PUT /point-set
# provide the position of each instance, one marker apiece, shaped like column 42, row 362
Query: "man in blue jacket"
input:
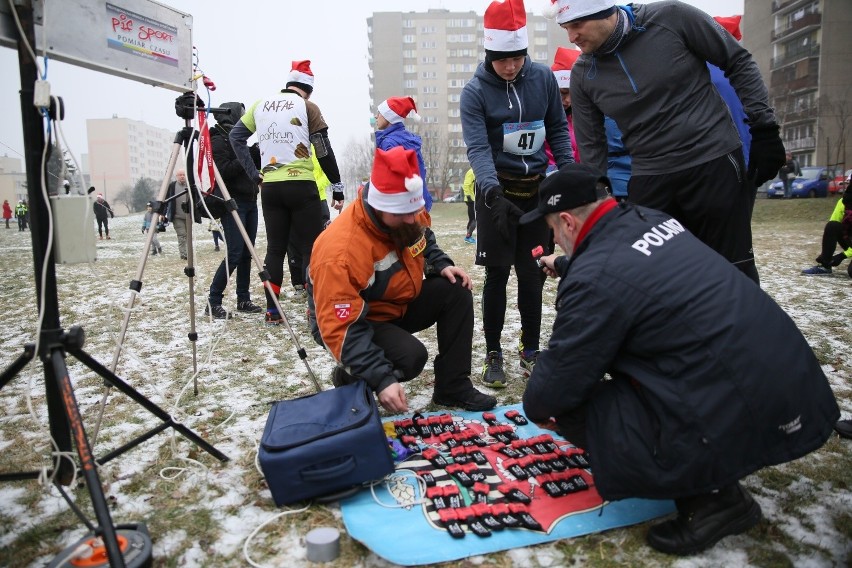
column 508, row 109
column 698, row 395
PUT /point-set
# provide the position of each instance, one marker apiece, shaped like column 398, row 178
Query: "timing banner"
column 471, row 483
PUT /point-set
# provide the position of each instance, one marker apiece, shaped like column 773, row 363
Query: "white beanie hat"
column 395, row 183
column 571, row 10
column 396, row 109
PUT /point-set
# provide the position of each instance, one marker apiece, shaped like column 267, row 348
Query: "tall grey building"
column 430, row 56
column 803, row 49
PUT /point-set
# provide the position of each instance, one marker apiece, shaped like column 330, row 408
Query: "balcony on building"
column 807, row 143
column 805, row 24
column 778, row 5
column 795, row 55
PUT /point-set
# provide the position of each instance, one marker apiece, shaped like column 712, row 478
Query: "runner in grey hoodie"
column 508, row 110
column 645, row 66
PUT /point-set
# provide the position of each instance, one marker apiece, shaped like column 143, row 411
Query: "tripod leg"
column 121, row 385
column 264, row 276
column 87, row 462
column 136, row 283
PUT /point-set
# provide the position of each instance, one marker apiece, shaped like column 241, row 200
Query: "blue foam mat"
column 412, row 535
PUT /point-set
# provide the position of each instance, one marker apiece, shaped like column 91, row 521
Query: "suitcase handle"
column 330, row 473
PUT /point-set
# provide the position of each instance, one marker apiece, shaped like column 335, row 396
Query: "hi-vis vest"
column 281, row 125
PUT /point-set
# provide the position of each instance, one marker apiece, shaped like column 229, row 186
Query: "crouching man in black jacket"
column 698, row 394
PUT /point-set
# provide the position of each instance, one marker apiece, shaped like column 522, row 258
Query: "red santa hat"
column 563, row 61
column 301, row 76
column 573, row 10
column 395, row 183
column 395, row 109
column 732, row 24
column 505, row 27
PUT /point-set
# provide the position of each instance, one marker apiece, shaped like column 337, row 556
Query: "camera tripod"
column 132, row 547
column 185, row 106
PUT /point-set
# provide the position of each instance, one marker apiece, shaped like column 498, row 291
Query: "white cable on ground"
column 263, row 524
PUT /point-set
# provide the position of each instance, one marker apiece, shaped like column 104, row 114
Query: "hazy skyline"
column 247, row 53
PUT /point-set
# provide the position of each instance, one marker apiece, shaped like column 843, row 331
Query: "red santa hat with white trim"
column 301, row 76
column 505, row 29
column 396, row 109
column 395, row 183
column 563, row 61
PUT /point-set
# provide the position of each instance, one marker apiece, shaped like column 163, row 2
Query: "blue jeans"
column 239, row 257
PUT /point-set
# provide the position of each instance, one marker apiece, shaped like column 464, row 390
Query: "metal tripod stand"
column 65, row 420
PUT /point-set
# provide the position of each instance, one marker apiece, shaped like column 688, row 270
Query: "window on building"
column 409, row 39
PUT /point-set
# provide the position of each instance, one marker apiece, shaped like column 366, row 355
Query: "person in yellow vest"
column 469, row 197
column 287, row 124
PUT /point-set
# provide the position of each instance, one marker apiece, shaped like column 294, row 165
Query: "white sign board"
column 141, row 40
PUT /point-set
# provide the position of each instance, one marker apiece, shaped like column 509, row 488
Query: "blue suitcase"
column 324, row 443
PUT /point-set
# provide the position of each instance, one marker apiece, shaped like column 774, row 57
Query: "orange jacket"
column 357, row 275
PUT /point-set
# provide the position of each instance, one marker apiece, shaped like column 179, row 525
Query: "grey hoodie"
column 488, row 102
column 657, row 88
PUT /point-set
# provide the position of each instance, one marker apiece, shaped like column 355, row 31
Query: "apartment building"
column 121, row 151
column 13, row 180
column 430, row 56
column 803, row 50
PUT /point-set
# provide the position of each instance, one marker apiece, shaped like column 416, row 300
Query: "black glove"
column 504, row 213
column 767, row 153
column 837, row 259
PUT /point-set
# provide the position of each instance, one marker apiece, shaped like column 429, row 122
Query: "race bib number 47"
column 523, row 138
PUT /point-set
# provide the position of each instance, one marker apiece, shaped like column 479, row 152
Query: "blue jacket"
column 397, row 135
column 617, row 159
column 488, row 104
column 738, row 115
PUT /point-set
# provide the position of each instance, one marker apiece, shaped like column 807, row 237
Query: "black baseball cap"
column 572, row 186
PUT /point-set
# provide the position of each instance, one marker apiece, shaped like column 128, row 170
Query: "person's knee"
column 414, row 364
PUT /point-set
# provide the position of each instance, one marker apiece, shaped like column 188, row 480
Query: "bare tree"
column 839, row 112
column 440, row 171
column 124, row 195
column 357, row 163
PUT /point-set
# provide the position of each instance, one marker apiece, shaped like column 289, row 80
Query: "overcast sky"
column 246, row 48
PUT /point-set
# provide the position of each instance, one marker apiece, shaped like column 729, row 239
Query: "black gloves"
column 767, row 153
column 838, row 258
column 504, row 213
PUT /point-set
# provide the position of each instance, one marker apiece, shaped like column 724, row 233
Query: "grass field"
column 199, row 512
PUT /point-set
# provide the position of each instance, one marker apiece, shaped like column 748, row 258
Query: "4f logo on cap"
column 553, row 200
column 342, row 311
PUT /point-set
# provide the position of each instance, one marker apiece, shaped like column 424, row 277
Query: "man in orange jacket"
column 368, row 294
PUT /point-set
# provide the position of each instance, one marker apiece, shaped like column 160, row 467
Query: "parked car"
column 454, row 198
column 812, row 183
column 838, row 184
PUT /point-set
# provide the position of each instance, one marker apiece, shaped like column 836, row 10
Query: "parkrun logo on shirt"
column 658, row 236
